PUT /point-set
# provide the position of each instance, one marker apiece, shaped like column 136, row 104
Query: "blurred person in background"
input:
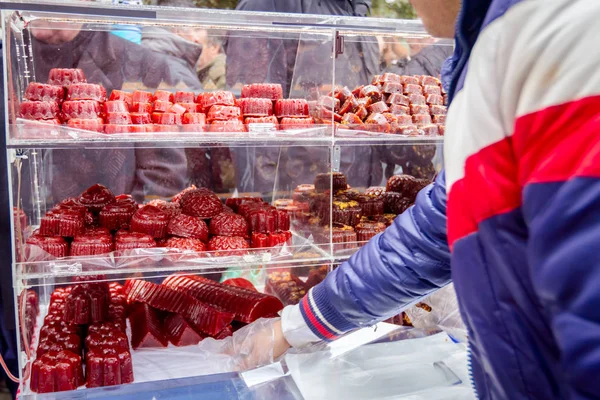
column 427, row 55
column 211, row 66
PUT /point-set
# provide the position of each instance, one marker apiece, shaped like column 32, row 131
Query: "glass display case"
column 150, row 178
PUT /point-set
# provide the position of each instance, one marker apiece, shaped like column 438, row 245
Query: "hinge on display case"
column 336, row 158
column 339, row 44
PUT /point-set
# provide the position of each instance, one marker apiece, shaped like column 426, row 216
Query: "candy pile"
column 289, row 288
column 396, row 104
column 356, row 216
column 98, row 222
column 68, row 98
column 86, row 324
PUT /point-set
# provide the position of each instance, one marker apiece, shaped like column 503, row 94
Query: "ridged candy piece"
column 297, row 123
column 57, row 246
column 228, row 224
column 96, row 197
column 184, row 97
column 202, row 316
column 221, row 98
column 121, row 95
column 254, row 107
column 108, row 366
column 201, row 203
column 89, row 245
column 85, row 109
column 246, row 305
column 291, row 108
column 56, row 372
column 44, row 92
column 146, row 328
column 86, row 304
column 179, row 332
column 186, row 226
column 151, row 221
column 223, row 113
column 87, row 124
column 86, row 91
column 39, row 110
column 269, row 91
column 66, row 76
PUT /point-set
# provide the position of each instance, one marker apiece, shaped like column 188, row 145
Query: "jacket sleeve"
column 406, row 262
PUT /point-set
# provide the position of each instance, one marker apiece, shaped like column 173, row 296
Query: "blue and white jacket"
column 515, row 219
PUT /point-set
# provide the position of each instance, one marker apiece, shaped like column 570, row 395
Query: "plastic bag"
column 439, row 311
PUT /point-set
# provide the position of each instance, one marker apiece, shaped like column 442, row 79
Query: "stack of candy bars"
column 67, row 98
column 86, row 323
column 392, row 104
column 355, row 216
column 98, row 222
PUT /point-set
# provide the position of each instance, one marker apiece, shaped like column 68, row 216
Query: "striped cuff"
column 321, row 317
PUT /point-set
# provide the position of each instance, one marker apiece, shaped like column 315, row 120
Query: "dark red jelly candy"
column 179, row 332
column 201, row 203
column 146, row 328
column 86, row 304
column 66, row 76
column 56, row 372
column 108, row 366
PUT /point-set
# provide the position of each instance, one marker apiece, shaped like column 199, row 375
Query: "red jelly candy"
column 108, row 366
column 437, row 110
column 247, row 305
column 57, row 246
column 421, row 119
column 233, row 126
column 262, row 220
column 220, row 98
column 81, row 109
column 111, row 129
column 196, row 245
column 430, row 129
column 201, row 316
column 330, row 103
column 259, row 240
column 140, row 118
column 361, row 112
column 89, row 245
column 146, row 328
column 416, row 99
column 166, row 118
column 410, row 89
column 432, row 90
column 186, row 226
column 62, row 222
column 429, row 80
column 416, row 109
column 179, row 332
column 263, row 90
column 193, row 119
column 226, row 332
column 201, row 203
column 86, row 91
column 141, row 108
column 151, row 221
column 399, row 99
column 65, row 76
column 291, row 108
column 160, row 106
column 277, row 238
column 96, row 197
column 177, row 109
column 439, row 119
column 140, row 96
column 163, row 95
column 86, row 304
column 227, row 244
column 191, row 107
column 56, row 372
column 39, row 110
column 184, row 97
column 392, row 87
column 372, row 92
column 133, row 240
column 44, row 92
column 121, row 95
column 94, row 124
column 409, row 80
column 390, row 77
column 379, row 107
column 399, row 110
column 118, row 118
column 352, row 121
column 297, row 123
column 256, row 107
column 435, row 99
column 377, row 123
column 350, row 105
column 235, row 202
column 271, row 121
column 223, row 113
column 228, row 224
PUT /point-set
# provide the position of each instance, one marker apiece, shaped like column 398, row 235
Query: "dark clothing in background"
column 113, row 62
column 428, row 61
column 165, row 42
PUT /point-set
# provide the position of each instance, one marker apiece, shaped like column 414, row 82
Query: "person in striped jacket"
column 514, row 220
